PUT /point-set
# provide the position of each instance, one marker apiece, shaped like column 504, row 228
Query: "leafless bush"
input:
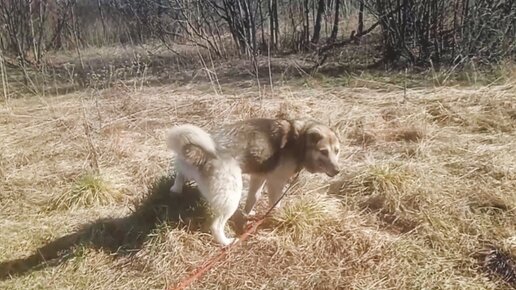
column 438, row 31
column 414, row 32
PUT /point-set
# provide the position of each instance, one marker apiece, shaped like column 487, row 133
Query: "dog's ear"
column 285, row 128
column 298, row 126
column 314, row 136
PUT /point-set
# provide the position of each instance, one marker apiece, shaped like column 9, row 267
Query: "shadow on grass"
column 120, row 236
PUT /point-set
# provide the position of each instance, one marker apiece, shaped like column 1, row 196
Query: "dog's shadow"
column 120, row 236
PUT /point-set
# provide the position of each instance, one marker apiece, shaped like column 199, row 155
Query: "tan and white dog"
column 271, row 151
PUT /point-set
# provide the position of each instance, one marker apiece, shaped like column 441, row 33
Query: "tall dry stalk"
column 3, row 74
column 211, row 73
column 93, row 155
column 257, row 74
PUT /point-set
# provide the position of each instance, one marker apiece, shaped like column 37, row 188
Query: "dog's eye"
column 324, row 152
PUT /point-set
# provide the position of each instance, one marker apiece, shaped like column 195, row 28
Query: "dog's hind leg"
column 255, row 190
column 223, row 196
column 179, row 181
column 224, row 205
column 217, row 229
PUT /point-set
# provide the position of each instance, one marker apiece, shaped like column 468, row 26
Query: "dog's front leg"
column 255, row 190
column 275, row 190
column 179, row 181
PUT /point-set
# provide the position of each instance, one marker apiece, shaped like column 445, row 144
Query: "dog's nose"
column 333, row 172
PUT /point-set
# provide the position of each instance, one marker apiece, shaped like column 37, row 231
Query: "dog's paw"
column 239, row 222
column 249, row 216
column 229, row 242
column 174, row 190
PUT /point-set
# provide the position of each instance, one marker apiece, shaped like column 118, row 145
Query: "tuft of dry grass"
column 88, row 190
column 306, row 216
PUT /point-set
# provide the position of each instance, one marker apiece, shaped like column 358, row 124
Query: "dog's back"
column 256, row 143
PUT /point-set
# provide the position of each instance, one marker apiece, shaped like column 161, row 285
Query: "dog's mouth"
column 332, row 172
column 329, row 171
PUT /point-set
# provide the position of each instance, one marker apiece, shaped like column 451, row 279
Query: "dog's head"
column 322, row 148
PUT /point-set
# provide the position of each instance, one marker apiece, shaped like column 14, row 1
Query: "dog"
column 271, row 151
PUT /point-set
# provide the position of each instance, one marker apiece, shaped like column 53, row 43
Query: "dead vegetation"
column 88, row 190
column 428, row 181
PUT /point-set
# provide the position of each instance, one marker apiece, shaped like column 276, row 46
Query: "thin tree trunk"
column 102, row 21
column 262, row 21
column 306, row 30
column 335, row 28
column 272, row 41
column 317, row 26
column 32, row 32
column 76, row 37
column 455, row 24
column 42, row 20
column 360, row 28
column 252, row 25
column 276, row 23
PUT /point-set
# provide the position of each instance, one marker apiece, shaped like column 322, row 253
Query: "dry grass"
column 426, row 200
column 89, row 190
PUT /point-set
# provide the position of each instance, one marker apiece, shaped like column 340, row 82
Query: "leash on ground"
column 210, row 263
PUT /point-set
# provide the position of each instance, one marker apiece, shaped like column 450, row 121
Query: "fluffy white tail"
column 187, row 140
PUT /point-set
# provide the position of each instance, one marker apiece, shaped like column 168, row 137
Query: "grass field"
column 426, row 198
